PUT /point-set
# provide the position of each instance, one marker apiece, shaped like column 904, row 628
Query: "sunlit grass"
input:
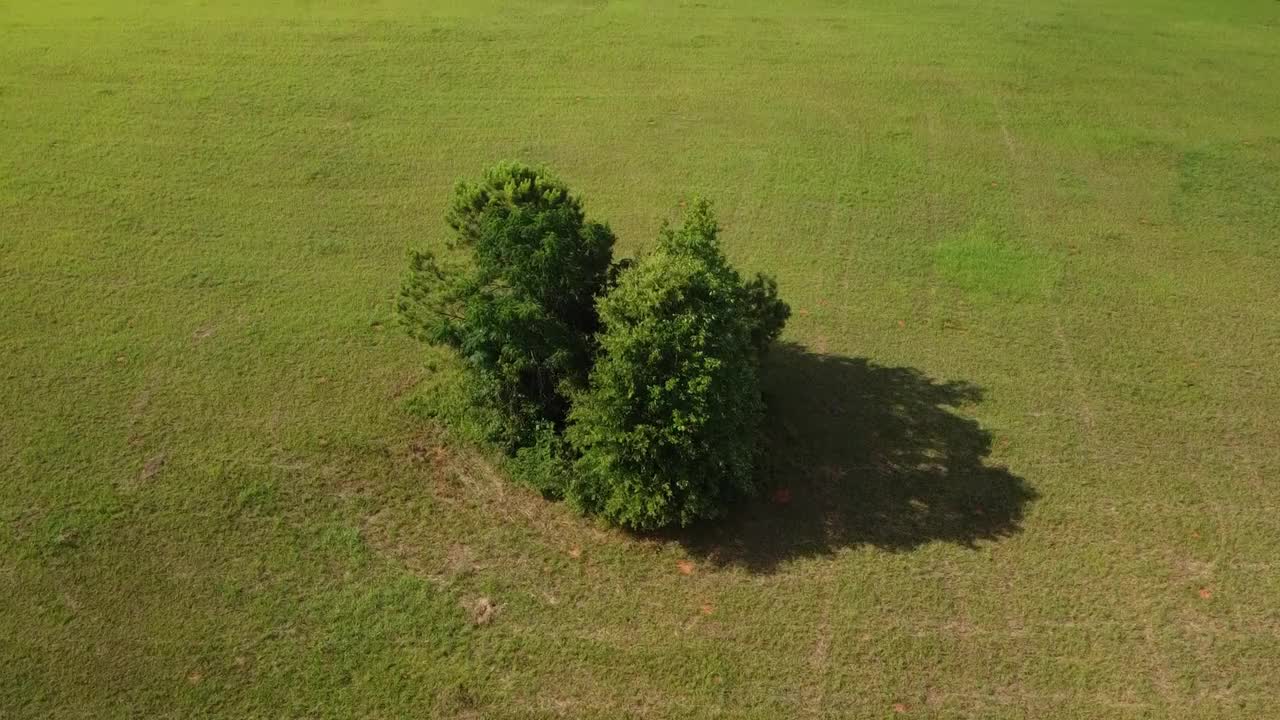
column 1025, row 411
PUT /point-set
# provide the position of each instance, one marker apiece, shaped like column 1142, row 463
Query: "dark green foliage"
column 766, row 311
column 520, row 310
column 667, row 433
column 630, row 389
column 545, row 463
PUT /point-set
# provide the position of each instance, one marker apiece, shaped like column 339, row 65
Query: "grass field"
column 1025, row 411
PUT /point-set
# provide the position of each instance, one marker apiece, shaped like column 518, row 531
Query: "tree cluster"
column 631, row 389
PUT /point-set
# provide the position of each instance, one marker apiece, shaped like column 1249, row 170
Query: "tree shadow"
column 863, row 454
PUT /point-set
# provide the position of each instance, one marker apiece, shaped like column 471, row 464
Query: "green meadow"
column 1023, row 442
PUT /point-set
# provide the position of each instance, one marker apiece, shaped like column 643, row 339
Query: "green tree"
column 667, row 432
column 520, row 307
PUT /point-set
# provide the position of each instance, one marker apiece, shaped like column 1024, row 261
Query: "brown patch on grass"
column 465, row 476
column 685, row 567
column 819, row 663
column 137, row 409
column 152, row 467
column 385, row 532
column 463, row 484
column 482, row 611
column 418, row 452
column 404, row 384
column 429, row 448
column 139, row 404
column 460, row 561
column 1198, row 569
column 202, row 333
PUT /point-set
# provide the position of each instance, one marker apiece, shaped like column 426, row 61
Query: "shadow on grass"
column 862, row 454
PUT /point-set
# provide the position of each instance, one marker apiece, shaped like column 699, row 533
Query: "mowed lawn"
column 1024, row 433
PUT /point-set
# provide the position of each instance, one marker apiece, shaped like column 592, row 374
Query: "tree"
column 520, row 310
column 666, row 433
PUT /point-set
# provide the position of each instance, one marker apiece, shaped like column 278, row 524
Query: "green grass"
column 1026, row 408
column 982, row 262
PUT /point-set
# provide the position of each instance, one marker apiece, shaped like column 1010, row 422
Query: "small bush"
column 667, row 432
column 544, row 464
